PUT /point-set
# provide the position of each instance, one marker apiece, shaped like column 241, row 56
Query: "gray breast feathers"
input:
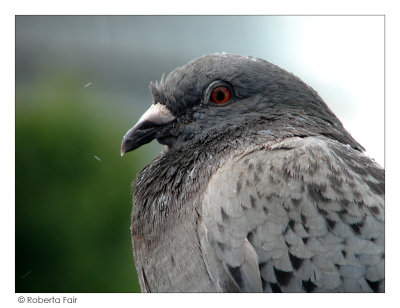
column 302, row 215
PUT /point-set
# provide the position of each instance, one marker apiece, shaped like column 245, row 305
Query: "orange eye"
column 220, row 95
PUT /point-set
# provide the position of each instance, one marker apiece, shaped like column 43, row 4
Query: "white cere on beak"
column 157, row 114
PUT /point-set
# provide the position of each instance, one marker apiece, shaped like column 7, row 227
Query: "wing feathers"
column 297, row 217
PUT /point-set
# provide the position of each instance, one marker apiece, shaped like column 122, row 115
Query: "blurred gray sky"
column 340, row 57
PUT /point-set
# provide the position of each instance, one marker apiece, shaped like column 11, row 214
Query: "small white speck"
column 254, row 59
column 191, row 174
column 88, row 84
column 30, row 271
column 265, row 132
column 97, row 158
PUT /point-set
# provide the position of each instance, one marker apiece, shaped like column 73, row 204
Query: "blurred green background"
column 82, row 82
column 73, row 195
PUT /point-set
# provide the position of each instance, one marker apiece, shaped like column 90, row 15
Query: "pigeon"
column 259, row 187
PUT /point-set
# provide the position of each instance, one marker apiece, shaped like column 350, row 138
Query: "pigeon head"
column 215, row 92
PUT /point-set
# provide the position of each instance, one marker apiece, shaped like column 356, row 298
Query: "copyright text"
column 47, row 300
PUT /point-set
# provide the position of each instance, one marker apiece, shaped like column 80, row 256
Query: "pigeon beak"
column 146, row 128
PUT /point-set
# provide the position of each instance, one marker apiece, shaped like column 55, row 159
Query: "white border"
column 389, row 8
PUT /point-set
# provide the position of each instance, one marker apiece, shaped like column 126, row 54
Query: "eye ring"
column 220, row 95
